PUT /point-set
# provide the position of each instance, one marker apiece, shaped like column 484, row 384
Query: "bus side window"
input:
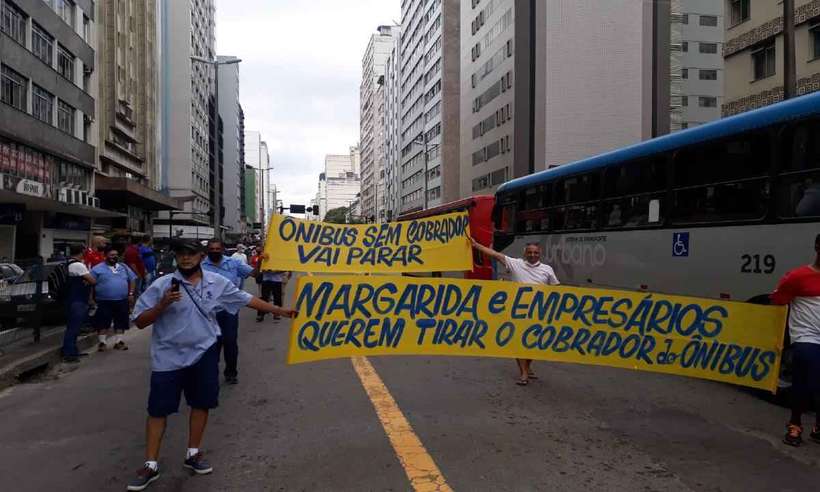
column 798, row 187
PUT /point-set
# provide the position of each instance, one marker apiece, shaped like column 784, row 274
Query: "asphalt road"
column 313, row 427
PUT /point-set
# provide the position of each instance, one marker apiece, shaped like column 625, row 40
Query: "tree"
column 336, row 215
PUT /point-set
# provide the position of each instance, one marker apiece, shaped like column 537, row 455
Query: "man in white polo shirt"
column 528, row 270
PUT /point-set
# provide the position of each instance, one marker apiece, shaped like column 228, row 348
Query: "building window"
column 42, row 44
column 13, row 22
column 42, row 104
column 86, row 29
column 814, row 34
column 708, row 74
column 707, row 102
column 14, row 88
column 65, row 117
column 65, row 63
column 684, row 73
column 739, row 10
column 708, row 48
column 763, row 59
column 684, row 101
column 684, row 19
column 708, row 20
column 684, row 46
column 65, row 9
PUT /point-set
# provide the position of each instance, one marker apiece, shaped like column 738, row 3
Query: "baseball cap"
column 186, row 245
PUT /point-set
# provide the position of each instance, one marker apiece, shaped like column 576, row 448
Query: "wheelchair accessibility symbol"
column 680, row 244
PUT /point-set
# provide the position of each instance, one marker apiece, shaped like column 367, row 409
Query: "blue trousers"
column 229, row 341
column 76, row 313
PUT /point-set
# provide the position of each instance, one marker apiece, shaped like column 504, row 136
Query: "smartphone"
column 174, row 285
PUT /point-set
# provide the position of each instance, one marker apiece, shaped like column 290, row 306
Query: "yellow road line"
column 419, row 466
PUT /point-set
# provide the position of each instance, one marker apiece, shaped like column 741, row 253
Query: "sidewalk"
column 21, row 356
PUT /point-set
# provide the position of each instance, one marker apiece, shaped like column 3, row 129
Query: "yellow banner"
column 347, row 316
column 434, row 244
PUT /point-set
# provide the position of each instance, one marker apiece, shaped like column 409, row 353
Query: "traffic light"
column 297, row 209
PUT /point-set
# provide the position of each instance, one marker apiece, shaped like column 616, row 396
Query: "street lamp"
column 217, row 194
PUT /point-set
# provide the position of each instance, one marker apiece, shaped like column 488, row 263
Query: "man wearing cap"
column 236, row 272
column 182, row 308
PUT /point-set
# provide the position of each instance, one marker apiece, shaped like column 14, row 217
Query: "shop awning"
column 118, row 193
column 37, row 204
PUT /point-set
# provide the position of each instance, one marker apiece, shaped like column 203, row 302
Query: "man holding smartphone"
column 182, row 308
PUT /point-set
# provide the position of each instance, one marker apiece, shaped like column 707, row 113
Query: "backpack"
column 58, row 280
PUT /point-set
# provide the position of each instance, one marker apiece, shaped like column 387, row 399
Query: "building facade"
column 371, row 122
column 257, row 161
column 128, row 173
column 535, row 94
column 340, row 183
column 232, row 119
column 429, row 74
column 48, row 137
column 187, row 29
column 697, row 28
column 392, row 128
column 754, row 52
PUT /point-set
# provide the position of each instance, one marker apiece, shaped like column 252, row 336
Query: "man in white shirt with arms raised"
column 528, row 270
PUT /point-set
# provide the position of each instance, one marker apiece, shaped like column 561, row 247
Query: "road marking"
column 419, row 466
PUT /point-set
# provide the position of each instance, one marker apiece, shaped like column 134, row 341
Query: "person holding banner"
column 182, row 307
column 800, row 289
column 235, row 271
column 528, row 270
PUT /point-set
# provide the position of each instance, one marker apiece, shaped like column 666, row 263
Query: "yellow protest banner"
column 433, row 244
column 347, row 316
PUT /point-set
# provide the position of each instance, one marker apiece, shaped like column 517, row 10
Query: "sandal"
column 792, row 437
column 522, row 382
column 532, row 375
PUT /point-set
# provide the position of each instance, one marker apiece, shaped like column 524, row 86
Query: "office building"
column 48, row 137
column 392, row 128
column 371, row 122
column 754, row 52
column 547, row 83
column 340, row 183
column 429, row 72
column 697, row 28
column 250, row 207
column 232, row 119
column 187, row 29
column 258, row 160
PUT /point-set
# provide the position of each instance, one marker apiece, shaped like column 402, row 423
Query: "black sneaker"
column 101, row 347
column 198, row 464
column 71, row 359
column 144, row 477
column 792, row 437
column 815, row 433
column 231, row 380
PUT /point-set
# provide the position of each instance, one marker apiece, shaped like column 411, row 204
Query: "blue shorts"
column 199, row 382
column 112, row 311
column 806, row 368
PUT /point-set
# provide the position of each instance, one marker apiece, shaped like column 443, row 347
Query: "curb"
column 10, row 374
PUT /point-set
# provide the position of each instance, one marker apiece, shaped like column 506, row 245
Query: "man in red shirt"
column 133, row 258
column 800, row 289
column 95, row 255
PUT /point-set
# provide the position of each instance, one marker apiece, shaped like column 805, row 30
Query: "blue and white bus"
column 721, row 210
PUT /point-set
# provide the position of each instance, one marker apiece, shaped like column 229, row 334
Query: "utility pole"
column 789, row 63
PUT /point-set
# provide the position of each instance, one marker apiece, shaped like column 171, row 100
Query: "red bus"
column 480, row 211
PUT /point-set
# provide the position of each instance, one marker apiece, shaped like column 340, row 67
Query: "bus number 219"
column 753, row 264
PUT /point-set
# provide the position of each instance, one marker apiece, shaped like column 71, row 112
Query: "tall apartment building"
column 754, row 52
column 392, row 128
column 257, row 159
column 243, row 218
column 187, row 29
column 547, row 83
column 429, row 74
column 48, row 137
column 697, row 28
column 232, row 119
column 340, row 183
column 127, row 115
column 371, row 121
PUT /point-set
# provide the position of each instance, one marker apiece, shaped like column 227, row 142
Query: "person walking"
column 272, row 284
column 235, row 271
column 78, row 289
column 240, row 254
column 528, row 270
column 133, row 258
column 800, row 290
column 182, row 308
column 96, row 253
column 149, row 261
column 114, row 294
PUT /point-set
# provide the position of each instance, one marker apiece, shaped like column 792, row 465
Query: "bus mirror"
column 654, row 211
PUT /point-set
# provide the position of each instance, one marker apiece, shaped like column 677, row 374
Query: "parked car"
column 30, row 294
column 9, row 272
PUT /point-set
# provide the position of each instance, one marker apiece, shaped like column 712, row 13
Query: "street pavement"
column 313, row 427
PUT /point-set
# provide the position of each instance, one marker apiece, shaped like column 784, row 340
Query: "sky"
column 299, row 78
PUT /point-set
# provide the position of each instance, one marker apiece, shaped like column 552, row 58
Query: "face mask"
column 215, row 257
column 187, row 272
column 110, row 261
